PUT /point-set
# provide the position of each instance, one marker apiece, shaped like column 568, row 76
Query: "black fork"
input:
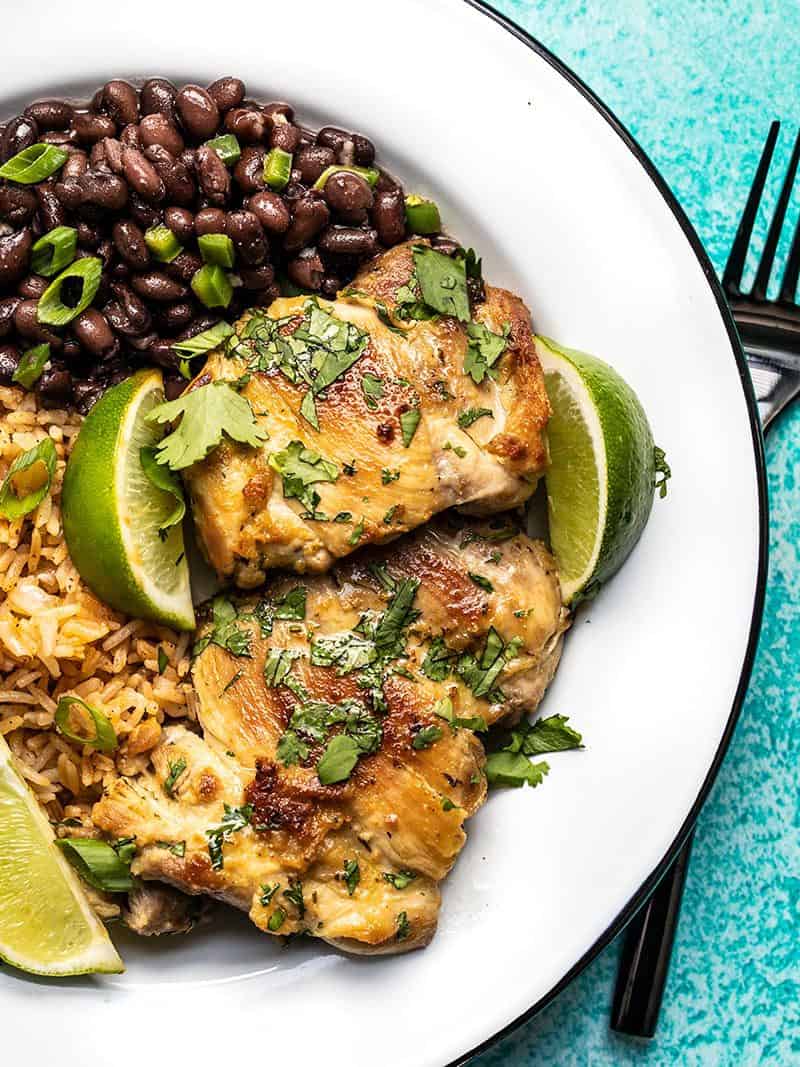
column 770, row 334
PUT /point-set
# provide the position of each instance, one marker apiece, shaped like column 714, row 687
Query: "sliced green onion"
column 277, row 168
column 34, row 164
column 104, row 740
column 97, row 863
column 162, row 242
column 54, row 251
column 227, row 148
column 369, row 174
column 30, row 367
column 212, row 286
column 422, row 215
column 52, row 310
column 28, row 480
column 216, row 248
column 203, row 342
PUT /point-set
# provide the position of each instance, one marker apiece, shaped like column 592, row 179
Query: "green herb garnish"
column 28, row 480
column 233, row 820
column 176, row 769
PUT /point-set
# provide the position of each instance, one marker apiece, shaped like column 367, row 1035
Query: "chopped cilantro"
column 545, row 735
column 207, row 413
column 163, row 660
column 357, row 533
column 442, row 281
column 343, row 516
column 481, row 582
column 466, row 418
column 276, row 920
column 300, row 468
column 409, row 421
column 352, row 875
column 403, row 927
column 381, row 572
column 401, row 880
column 268, row 892
column 448, row 805
column 177, row 848
column 450, row 447
column 372, row 388
column 224, row 631
column 338, row 760
column 398, row 615
column 484, row 349
column 388, row 476
column 514, row 769
column 291, row 749
column 439, row 660
column 290, row 607
column 176, row 769
column 388, row 518
column 426, row 737
column 233, row 820
column 480, row 674
column 277, row 665
column 294, row 894
column 444, row 709
column 234, row 679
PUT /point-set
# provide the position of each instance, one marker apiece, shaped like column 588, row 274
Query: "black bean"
column 93, row 331
column 227, row 92
column 389, row 216
column 142, row 176
column 249, row 171
column 278, row 110
column 209, row 220
column 9, row 361
column 212, row 175
column 181, row 222
column 20, row 133
column 294, row 191
column 174, row 384
column 103, row 189
column 51, row 114
column 270, row 210
column 162, row 353
column 201, row 323
column 198, row 112
column 257, row 277
column 157, row 129
column 90, row 128
column 69, row 192
column 62, row 138
column 178, row 182
column 141, row 344
column 284, row 136
column 247, row 234
column 311, row 161
column 105, row 251
column 146, row 215
column 310, row 216
column 331, row 284
column 77, row 162
column 17, row 204
column 158, row 96
column 130, row 243
column 89, row 236
column 306, row 270
column 109, row 152
column 385, row 182
column 15, row 255
column 137, row 316
column 32, row 287
column 120, row 270
column 54, row 388
column 362, row 151
column 349, row 195
column 130, row 136
column 50, row 209
column 349, row 241
column 184, row 266
column 28, row 325
column 155, row 285
column 175, row 316
column 7, row 308
column 187, row 158
column 121, row 101
column 246, row 123
column 86, row 394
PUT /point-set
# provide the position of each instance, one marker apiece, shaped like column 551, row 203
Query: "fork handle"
column 644, row 964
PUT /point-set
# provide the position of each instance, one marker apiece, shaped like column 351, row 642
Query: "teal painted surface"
column 697, row 82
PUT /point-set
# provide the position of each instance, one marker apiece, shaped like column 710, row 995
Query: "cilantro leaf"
column 480, row 674
column 338, row 760
column 224, row 630
column 481, row 581
column 545, row 735
column 352, row 875
column 442, row 281
column 398, row 615
column 401, row 880
column 388, row 475
column 409, row 421
column 403, row 927
column 291, row 748
column 164, row 479
column 290, row 607
column 276, row 920
column 295, row 894
column 466, row 418
column 514, row 769
column 358, row 532
column 372, row 388
column 484, row 348
column 346, row 652
column 176, row 769
column 268, row 892
column 28, row 480
column 207, row 413
column 426, row 737
column 300, row 468
column 438, row 661
column 444, row 709
column 277, row 665
column 233, row 820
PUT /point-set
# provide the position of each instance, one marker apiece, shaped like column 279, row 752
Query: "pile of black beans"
column 138, row 158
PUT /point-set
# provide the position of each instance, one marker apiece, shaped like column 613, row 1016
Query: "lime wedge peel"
column 602, row 468
column 47, row 926
column 113, row 512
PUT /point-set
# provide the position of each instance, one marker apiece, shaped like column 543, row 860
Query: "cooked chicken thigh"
column 340, row 758
column 377, row 420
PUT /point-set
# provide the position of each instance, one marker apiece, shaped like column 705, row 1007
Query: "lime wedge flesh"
column 601, row 474
column 113, row 513
column 46, row 923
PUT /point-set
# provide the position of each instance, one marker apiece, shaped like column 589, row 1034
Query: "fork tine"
column 792, row 269
column 734, row 268
column 759, row 291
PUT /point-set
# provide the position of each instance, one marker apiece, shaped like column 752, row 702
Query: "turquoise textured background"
column 697, row 83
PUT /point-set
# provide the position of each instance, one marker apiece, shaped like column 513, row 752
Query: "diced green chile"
column 227, row 148
column 277, row 169
column 12, row 504
column 422, row 216
column 30, row 367
column 52, row 310
column 98, row 864
column 34, row 164
column 369, row 174
column 163, row 244
column 216, row 248
column 212, row 286
column 54, row 251
column 104, row 740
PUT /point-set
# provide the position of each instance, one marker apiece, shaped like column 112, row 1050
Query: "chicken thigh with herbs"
column 405, row 396
column 340, row 714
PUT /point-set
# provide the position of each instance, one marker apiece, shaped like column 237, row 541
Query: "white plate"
column 566, row 210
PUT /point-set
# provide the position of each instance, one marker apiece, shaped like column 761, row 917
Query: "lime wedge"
column 114, row 516
column 602, row 468
column 46, row 923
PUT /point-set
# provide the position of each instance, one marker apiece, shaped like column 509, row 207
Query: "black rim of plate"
column 650, row 883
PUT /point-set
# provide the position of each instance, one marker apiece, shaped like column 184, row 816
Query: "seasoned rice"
column 56, row 637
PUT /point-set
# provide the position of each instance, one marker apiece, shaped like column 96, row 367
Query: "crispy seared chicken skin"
column 395, row 657
column 390, row 476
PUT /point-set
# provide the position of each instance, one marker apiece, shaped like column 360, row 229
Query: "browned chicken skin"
column 385, row 483
column 396, row 645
